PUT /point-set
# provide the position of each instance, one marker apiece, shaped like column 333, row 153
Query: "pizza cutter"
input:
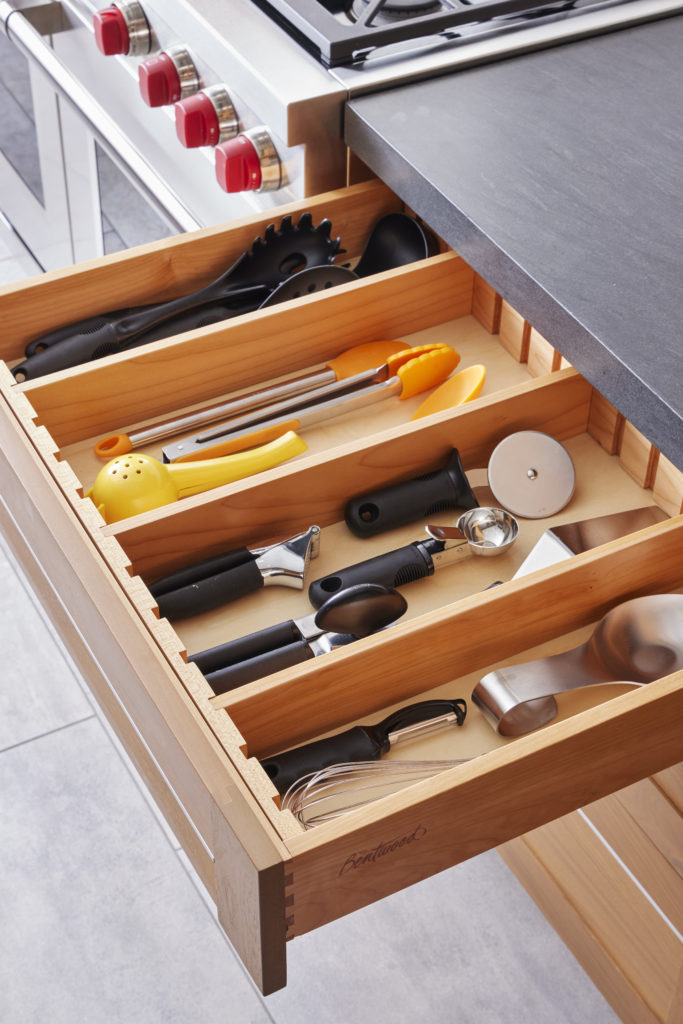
column 530, row 474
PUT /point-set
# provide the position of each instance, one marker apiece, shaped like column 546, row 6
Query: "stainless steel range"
column 215, row 108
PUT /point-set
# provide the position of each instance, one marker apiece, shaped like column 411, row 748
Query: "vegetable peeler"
column 362, row 742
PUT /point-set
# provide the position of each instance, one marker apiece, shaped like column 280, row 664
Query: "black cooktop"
column 347, row 32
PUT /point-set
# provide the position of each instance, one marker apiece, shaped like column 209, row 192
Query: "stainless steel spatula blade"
column 570, row 539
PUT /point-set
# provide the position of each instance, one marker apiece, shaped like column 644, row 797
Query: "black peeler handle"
column 360, row 743
column 354, row 744
column 419, row 498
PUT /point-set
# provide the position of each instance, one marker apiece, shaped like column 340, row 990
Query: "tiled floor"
column 104, row 920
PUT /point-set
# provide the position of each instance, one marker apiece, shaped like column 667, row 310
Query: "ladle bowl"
column 395, row 239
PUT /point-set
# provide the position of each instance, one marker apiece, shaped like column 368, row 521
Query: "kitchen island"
column 557, row 176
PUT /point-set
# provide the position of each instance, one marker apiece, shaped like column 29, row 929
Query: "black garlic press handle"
column 232, row 676
column 245, row 647
column 207, row 585
column 393, row 569
column 411, row 500
column 353, row 745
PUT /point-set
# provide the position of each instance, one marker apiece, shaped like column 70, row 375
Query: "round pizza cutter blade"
column 531, row 474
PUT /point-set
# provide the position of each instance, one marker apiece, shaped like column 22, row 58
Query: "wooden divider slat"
column 542, row 358
column 514, row 332
column 162, row 377
column 637, row 456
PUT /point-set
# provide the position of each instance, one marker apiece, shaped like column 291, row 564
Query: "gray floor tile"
column 54, row 698
column 467, row 946
column 38, row 689
column 101, row 923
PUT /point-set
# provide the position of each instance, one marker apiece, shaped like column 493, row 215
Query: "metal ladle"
column 635, row 643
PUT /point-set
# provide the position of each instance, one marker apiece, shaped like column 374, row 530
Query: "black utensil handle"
column 393, row 569
column 232, row 676
column 419, row 498
column 200, row 571
column 85, row 326
column 141, row 322
column 77, row 348
column 211, row 591
column 117, row 335
column 245, row 647
column 202, row 316
column 352, row 745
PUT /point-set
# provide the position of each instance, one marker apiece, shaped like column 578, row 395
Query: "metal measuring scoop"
column 635, row 643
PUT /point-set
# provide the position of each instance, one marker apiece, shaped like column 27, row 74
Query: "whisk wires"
column 332, row 792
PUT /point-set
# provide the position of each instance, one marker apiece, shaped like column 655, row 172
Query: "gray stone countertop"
column 558, row 176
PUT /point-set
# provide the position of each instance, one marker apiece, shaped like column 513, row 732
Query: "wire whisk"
column 334, row 791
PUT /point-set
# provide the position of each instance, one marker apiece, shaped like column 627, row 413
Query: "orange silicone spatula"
column 462, row 387
column 349, row 363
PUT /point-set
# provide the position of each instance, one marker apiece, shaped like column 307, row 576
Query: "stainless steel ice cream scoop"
column 637, row 642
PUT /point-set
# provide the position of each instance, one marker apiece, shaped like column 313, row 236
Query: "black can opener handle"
column 360, row 743
column 407, row 502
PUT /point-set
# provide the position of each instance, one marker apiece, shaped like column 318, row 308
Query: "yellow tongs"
column 404, row 374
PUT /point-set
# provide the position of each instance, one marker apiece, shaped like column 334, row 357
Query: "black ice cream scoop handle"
column 393, row 569
column 360, row 743
column 406, row 502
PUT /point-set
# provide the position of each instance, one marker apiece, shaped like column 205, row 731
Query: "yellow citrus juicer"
column 136, row 482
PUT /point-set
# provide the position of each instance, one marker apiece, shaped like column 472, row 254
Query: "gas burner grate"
column 347, row 32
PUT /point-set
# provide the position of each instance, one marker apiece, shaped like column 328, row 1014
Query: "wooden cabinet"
column 200, row 753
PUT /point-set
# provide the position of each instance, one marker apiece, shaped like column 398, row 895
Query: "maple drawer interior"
column 455, row 628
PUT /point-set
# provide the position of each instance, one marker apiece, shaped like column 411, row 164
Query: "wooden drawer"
column 271, row 878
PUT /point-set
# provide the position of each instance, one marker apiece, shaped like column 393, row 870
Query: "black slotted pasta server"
column 271, row 260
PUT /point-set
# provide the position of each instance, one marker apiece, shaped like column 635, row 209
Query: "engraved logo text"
column 357, row 860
